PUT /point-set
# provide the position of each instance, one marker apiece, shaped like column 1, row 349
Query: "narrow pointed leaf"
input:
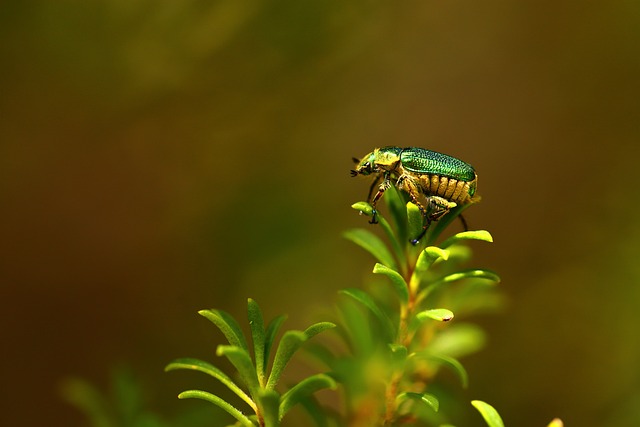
column 228, row 325
column 449, row 362
column 203, row 395
column 460, row 275
column 490, row 415
column 372, row 244
column 469, row 274
column 269, row 403
column 415, row 220
column 482, row 235
column 209, row 369
column 398, row 282
column 270, row 336
column 289, row 344
column 365, row 299
column 429, row 399
column 364, row 207
column 439, row 314
column 398, row 212
column 241, row 360
column 303, row 390
column 256, row 322
column 316, row 328
column 428, row 256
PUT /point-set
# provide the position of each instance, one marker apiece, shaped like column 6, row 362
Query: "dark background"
column 159, row 157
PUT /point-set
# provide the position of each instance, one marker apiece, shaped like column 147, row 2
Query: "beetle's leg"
column 386, row 183
column 464, row 222
column 438, row 207
column 374, row 184
column 411, row 187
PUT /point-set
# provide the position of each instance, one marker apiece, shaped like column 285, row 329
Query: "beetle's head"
column 365, row 166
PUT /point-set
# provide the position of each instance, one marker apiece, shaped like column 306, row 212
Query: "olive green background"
column 159, row 157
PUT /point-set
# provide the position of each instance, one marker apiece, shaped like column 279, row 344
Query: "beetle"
column 435, row 182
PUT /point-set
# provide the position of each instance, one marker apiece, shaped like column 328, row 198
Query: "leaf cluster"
column 257, row 379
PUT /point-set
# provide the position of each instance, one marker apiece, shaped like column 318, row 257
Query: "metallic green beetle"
column 439, row 181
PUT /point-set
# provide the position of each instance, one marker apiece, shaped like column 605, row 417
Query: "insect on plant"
column 435, row 182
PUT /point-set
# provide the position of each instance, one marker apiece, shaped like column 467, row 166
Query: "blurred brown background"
column 158, row 157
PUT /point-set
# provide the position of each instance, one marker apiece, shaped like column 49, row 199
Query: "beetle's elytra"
column 435, row 182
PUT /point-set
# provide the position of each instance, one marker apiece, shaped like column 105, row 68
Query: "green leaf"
column 209, row 369
column 303, row 390
column 490, row 415
column 372, row 244
column 481, row 235
column 430, row 255
column 272, row 331
column 458, row 340
column 289, row 344
column 415, row 220
column 269, row 404
column 439, row 314
column 460, row 275
column 398, row 282
column 228, row 325
column 365, row 299
column 447, row 361
column 398, row 212
column 256, row 322
column 241, row 360
column 399, row 354
column 203, row 395
column 363, row 207
column 429, row 399
column 88, row 399
column 470, row 274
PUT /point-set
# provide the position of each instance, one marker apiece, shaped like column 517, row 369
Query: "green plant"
column 259, row 382
column 392, row 338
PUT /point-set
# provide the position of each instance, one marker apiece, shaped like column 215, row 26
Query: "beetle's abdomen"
column 452, row 189
column 422, row 161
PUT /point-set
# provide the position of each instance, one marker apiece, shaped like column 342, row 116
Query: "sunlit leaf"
column 241, row 360
column 228, row 325
column 203, row 395
column 482, row 235
column 398, row 282
column 439, row 314
column 289, row 344
column 209, row 369
column 490, row 415
column 256, row 322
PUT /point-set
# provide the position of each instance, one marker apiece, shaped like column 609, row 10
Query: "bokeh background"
column 159, row 157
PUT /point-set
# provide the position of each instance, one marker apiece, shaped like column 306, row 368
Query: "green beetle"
column 435, row 182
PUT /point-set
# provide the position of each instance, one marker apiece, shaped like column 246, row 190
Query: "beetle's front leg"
column 386, row 183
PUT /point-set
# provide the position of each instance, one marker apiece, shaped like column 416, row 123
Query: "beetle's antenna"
column 353, row 172
column 355, row 160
